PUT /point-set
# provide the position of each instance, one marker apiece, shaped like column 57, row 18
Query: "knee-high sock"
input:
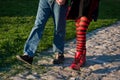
column 81, row 29
column 80, row 55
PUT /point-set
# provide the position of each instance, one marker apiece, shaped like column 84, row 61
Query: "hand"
column 60, row 2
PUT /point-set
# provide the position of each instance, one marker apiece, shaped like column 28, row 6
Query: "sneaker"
column 59, row 59
column 26, row 59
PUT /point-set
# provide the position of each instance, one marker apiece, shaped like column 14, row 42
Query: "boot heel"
column 79, row 61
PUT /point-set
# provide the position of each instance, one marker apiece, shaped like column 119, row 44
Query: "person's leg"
column 59, row 16
column 37, row 31
column 80, row 55
column 31, row 44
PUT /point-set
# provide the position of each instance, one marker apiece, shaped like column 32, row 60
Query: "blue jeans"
column 46, row 9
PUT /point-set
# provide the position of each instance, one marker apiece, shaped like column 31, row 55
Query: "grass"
column 17, row 19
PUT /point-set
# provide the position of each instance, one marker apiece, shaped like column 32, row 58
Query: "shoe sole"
column 79, row 67
column 58, row 63
column 19, row 58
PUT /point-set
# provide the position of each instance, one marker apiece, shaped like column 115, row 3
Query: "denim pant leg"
column 59, row 16
column 43, row 14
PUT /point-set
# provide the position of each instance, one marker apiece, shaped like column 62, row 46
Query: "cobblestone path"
column 103, row 59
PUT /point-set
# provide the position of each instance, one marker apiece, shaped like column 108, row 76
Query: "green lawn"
column 17, row 19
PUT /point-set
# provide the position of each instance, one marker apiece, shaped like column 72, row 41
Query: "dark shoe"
column 59, row 59
column 25, row 58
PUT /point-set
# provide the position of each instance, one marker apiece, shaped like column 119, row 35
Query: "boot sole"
column 19, row 58
column 79, row 67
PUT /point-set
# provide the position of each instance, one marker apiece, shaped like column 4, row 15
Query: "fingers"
column 60, row 2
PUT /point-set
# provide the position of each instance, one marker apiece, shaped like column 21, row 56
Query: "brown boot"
column 59, row 59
